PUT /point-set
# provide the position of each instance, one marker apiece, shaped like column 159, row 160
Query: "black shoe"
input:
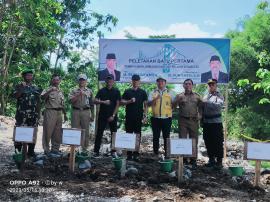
column 31, row 154
column 218, row 164
column 129, row 158
column 136, row 158
column 96, row 155
column 194, row 164
column 211, row 163
column 185, row 161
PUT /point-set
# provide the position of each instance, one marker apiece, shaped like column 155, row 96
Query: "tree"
column 27, row 31
column 33, row 32
column 249, row 71
column 79, row 24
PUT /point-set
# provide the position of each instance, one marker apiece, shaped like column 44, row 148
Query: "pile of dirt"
column 52, row 181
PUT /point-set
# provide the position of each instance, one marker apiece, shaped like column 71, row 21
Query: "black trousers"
column 213, row 139
column 159, row 125
column 102, row 123
column 133, row 125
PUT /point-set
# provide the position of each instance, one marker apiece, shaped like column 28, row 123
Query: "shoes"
column 136, row 158
column 218, row 164
column 96, row 155
column 31, row 154
column 129, row 158
column 193, row 164
column 211, row 163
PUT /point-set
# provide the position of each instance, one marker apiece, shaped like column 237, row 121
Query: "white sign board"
column 125, row 140
column 24, row 134
column 181, row 146
column 71, row 137
column 258, row 151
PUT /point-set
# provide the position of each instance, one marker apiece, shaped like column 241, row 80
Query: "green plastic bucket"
column 117, row 163
column 81, row 157
column 17, row 157
column 166, row 165
column 236, row 170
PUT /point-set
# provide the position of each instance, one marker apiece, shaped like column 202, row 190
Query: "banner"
column 173, row 59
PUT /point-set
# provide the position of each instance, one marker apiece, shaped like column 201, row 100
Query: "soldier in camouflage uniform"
column 28, row 106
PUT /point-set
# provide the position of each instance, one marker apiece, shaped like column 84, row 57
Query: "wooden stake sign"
column 24, row 135
column 126, row 141
column 73, row 137
column 180, row 147
column 259, row 152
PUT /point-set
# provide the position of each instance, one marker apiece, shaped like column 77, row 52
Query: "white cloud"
column 210, row 22
column 181, row 30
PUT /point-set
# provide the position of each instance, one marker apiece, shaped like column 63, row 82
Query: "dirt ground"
column 53, row 182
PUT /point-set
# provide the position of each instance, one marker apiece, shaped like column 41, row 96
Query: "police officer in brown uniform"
column 190, row 108
column 83, row 109
column 52, row 123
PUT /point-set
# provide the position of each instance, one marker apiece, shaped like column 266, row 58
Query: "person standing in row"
column 135, row 100
column 190, row 109
column 161, row 102
column 109, row 99
column 212, row 125
column 81, row 99
column 52, row 123
column 28, row 106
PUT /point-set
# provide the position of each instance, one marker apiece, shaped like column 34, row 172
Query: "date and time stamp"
column 33, row 186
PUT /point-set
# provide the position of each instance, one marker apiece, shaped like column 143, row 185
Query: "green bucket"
column 81, row 157
column 236, row 170
column 17, row 157
column 166, row 165
column 117, row 163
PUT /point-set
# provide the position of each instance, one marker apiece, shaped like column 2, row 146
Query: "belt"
column 56, row 109
column 212, row 116
column 81, row 108
column 190, row 118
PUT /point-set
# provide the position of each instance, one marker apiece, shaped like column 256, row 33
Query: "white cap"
column 82, row 76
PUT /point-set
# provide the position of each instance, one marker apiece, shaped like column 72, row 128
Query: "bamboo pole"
column 257, row 173
column 180, row 170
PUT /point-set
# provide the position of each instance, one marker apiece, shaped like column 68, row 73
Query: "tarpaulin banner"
column 173, row 59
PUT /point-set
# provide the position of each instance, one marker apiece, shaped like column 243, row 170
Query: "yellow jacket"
column 162, row 108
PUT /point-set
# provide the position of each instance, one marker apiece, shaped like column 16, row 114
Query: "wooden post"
column 124, row 163
column 72, row 158
column 226, row 123
column 257, row 173
column 24, row 156
column 180, row 170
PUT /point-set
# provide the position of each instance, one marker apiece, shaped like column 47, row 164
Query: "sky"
column 184, row 18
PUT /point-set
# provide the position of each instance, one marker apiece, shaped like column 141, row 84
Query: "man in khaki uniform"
column 83, row 109
column 52, row 123
column 190, row 108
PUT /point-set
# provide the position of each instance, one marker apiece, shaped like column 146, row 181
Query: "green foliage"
column 250, row 79
column 264, row 164
column 246, row 121
column 34, row 33
column 80, row 26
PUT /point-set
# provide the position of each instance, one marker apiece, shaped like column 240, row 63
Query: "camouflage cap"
column 27, row 70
